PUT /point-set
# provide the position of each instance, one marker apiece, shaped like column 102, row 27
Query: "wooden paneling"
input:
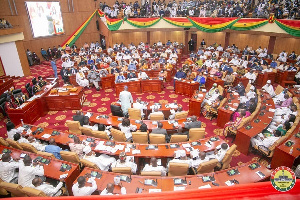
column 254, row 41
column 127, row 38
column 209, row 38
column 287, row 44
column 23, row 58
column 164, row 36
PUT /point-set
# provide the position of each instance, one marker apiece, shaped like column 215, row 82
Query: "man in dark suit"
column 240, row 89
column 79, row 117
column 193, row 123
column 160, row 130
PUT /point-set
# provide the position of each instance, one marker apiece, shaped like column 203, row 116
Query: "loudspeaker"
column 97, row 25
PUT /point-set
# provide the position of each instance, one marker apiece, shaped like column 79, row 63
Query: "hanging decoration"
column 179, row 21
column 212, row 25
column 292, row 27
column 248, row 24
column 142, row 22
column 113, row 24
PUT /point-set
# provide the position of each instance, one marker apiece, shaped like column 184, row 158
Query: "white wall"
column 10, row 59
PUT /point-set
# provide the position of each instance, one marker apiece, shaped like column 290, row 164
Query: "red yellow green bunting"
column 100, row 13
column 179, row 21
column 212, row 25
column 142, row 22
column 113, row 24
column 248, row 24
column 292, row 27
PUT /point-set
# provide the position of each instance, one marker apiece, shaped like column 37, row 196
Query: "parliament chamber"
column 149, row 99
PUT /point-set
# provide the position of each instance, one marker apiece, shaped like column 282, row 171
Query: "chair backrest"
column 86, row 131
column 207, row 167
column 221, row 89
column 140, row 137
column 196, row 134
column 100, row 134
column 278, row 89
column 3, row 142
column 181, row 115
column 70, row 156
column 122, row 170
column 28, row 147
column 2, row 190
column 13, row 144
column 118, row 136
column 116, row 110
column 228, row 157
column 134, row 113
column 247, row 89
column 42, row 153
column 32, row 192
column 157, row 138
column 222, row 102
column 73, row 127
column 178, row 138
column 178, row 169
column 151, row 173
column 157, row 116
column 14, row 189
column 89, row 164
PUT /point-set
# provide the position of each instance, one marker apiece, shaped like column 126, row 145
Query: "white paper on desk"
column 232, row 109
column 28, row 132
column 21, row 129
column 203, row 90
column 91, row 179
column 23, row 155
column 127, row 150
column 229, row 183
column 179, row 188
column 100, row 147
column 64, row 175
column 159, row 162
column 235, row 104
column 193, row 82
column 136, row 151
column 46, row 135
column 154, row 190
column 114, row 150
column 271, row 110
column 200, row 95
column 186, row 145
column 207, row 144
column 189, row 149
column 120, row 147
column 235, row 93
column 175, row 124
column 204, row 186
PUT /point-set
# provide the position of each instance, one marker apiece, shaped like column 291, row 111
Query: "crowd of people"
column 208, row 8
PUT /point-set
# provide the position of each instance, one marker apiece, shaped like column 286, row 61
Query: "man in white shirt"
column 251, row 76
column 77, row 146
column 154, row 167
column 48, row 189
column 219, row 48
column 269, row 88
column 260, row 139
column 39, row 146
column 180, row 157
column 142, row 75
column 125, row 162
column 221, row 151
column 173, row 112
column 28, row 171
column 79, row 189
column 155, row 111
column 103, row 161
column 8, row 169
column 139, row 105
column 126, row 100
column 199, row 158
column 110, row 189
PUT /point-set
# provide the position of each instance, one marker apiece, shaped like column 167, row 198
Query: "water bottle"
column 22, row 122
column 291, row 150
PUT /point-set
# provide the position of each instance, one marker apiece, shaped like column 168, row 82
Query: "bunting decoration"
column 179, row 21
column 212, row 25
column 113, row 24
column 142, row 22
column 100, row 13
column 292, row 27
column 248, row 24
column 72, row 39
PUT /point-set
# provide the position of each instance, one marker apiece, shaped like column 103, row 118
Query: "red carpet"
column 100, row 103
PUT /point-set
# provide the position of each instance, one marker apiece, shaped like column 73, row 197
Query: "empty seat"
column 157, row 116
column 86, row 131
column 13, row 144
column 140, row 137
column 74, row 127
column 228, row 157
column 14, row 189
column 181, row 115
column 157, row 138
column 70, row 156
column 207, row 167
column 178, row 169
column 28, row 147
column 178, row 138
column 196, row 134
column 32, row 192
column 118, row 136
column 100, row 134
column 122, row 170
column 134, row 113
column 89, row 164
column 3, row 142
column 151, row 173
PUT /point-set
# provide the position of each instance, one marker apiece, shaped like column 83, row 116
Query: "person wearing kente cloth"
column 81, row 80
column 41, row 81
column 20, row 99
column 36, row 88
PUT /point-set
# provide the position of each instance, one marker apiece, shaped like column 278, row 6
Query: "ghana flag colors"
column 212, row 25
column 179, row 21
column 248, row 24
column 292, row 27
column 71, row 40
column 100, row 13
column 142, row 22
column 113, row 24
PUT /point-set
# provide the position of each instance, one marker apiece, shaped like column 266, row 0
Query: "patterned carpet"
column 101, row 100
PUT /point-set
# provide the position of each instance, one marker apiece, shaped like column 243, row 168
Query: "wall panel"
column 287, row 44
column 254, row 41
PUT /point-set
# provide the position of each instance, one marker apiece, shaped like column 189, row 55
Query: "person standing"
column 126, row 100
column 29, row 57
column 103, row 43
column 192, row 44
column 54, row 67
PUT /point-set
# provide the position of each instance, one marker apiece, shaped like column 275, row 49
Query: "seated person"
column 213, row 107
column 154, row 167
column 8, row 168
column 228, row 80
column 47, row 188
column 131, row 75
column 143, row 128
column 269, row 88
column 173, row 112
column 162, row 75
column 86, row 124
column 120, row 78
column 251, row 76
column 18, row 138
column 210, row 98
column 94, row 77
column 285, row 103
column 154, row 112
column 142, row 75
column 77, row 146
column 79, row 117
column 37, row 144
column 160, row 130
column 193, row 123
column 53, row 148
column 198, row 158
column 232, row 125
column 220, row 151
column 79, row 188
column 11, row 131
column 180, row 157
column 41, row 81
column 81, row 80
column 240, row 89
column 261, row 140
column 125, row 162
column 139, row 105
column 109, row 190
column 127, row 128
column 181, row 132
column 103, row 161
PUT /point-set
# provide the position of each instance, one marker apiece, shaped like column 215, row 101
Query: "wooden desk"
column 6, row 84
column 153, row 73
column 72, row 101
column 211, row 80
column 283, row 76
column 151, row 85
column 282, row 156
column 262, row 78
column 186, row 87
column 32, row 110
column 238, row 79
column 167, row 183
column 295, row 92
column 108, row 81
column 224, row 113
column 52, row 170
column 195, row 103
column 133, row 86
column 243, row 135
